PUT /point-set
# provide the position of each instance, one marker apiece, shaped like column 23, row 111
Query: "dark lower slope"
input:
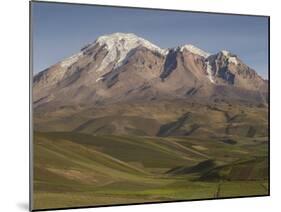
column 181, row 127
column 200, row 168
column 255, row 169
column 209, row 170
column 163, row 119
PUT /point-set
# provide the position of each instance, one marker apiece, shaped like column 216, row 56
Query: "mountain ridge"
column 123, row 66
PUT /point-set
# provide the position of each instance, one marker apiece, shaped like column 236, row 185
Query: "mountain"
column 125, row 121
column 123, row 67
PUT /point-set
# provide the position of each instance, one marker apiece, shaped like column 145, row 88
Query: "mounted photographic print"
column 137, row 105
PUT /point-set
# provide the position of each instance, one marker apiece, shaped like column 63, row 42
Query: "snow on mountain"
column 200, row 52
column 230, row 58
column 209, row 72
column 225, row 53
column 69, row 61
column 195, row 50
column 92, row 74
column 118, row 48
column 119, row 45
column 233, row 60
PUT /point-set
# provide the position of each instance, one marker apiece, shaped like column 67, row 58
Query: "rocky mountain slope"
column 124, row 67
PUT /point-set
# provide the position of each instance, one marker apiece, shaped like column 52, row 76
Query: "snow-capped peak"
column 200, row 52
column 127, row 41
column 195, row 50
column 119, row 45
column 225, row 53
column 230, row 57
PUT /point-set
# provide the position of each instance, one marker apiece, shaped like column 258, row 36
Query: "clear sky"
column 60, row 30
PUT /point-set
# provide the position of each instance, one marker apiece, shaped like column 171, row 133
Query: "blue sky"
column 60, row 30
